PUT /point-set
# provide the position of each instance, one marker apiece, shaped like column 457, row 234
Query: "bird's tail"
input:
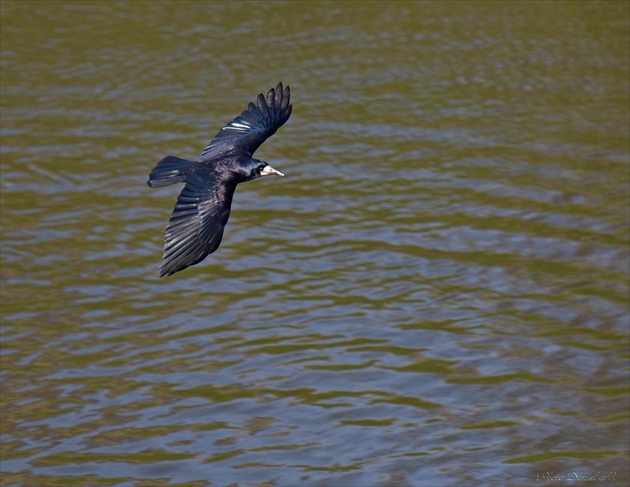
column 169, row 170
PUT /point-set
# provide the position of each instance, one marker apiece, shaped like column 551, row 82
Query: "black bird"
column 203, row 207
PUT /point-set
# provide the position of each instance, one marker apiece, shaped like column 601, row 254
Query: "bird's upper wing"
column 196, row 226
column 244, row 134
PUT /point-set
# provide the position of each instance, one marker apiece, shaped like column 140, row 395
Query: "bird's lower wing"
column 196, row 225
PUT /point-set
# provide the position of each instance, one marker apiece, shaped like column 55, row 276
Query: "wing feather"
column 243, row 135
column 196, row 226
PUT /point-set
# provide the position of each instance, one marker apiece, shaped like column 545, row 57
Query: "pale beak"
column 270, row 170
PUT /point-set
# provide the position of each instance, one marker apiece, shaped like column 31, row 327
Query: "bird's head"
column 256, row 169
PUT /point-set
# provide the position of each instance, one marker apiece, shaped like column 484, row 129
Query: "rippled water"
column 435, row 295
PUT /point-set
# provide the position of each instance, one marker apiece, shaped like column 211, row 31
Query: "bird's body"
column 202, row 210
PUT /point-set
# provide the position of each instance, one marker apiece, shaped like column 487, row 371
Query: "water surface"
column 435, row 295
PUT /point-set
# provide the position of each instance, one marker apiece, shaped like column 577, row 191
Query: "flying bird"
column 202, row 210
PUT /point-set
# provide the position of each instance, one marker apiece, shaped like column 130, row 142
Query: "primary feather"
column 244, row 134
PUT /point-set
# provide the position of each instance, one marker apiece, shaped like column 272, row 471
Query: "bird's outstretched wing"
column 196, row 226
column 244, row 134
